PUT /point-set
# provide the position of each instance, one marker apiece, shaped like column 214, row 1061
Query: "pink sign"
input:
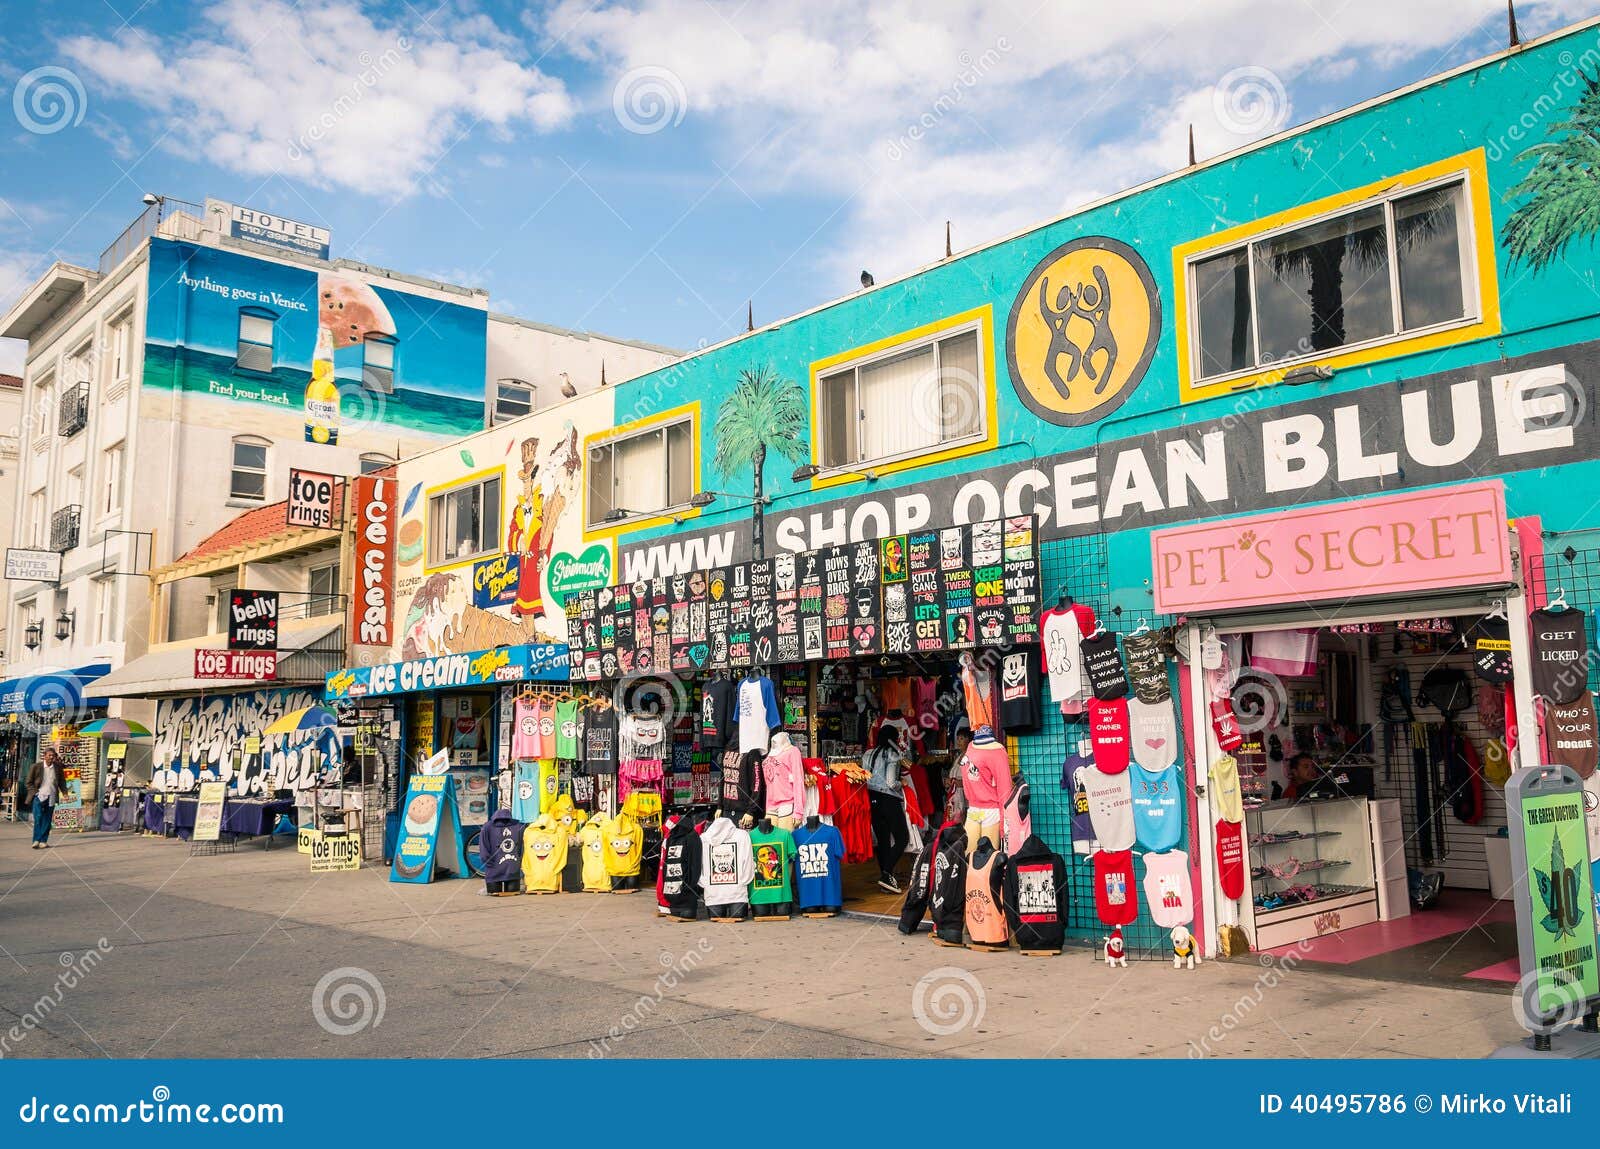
column 1383, row 545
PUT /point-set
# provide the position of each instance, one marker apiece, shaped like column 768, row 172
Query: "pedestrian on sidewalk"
column 886, row 763
column 47, row 784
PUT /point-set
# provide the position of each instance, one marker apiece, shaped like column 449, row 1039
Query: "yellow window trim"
column 984, row 317
column 625, row 430
column 453, row 484
column 1470, row 165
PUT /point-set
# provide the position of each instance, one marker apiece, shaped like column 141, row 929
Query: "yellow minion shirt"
column 544, row 856
column 623, row 842
column 567, row 816
column 595, row 879
column 549, row 785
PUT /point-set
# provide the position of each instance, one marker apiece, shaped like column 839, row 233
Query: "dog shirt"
column 1157, row 813
column 1074, row 773
column 1167, row 890
column 1230, row 858
column 1110, row 808
column 1103, row 664
column 1147, row 665
column 1491, row 650
column 1115, row 902
column 1286, row 653
column 1225, row 797
column 1570, row 734
column 1108, row 729
column 1153, row 730
column 1560, row 654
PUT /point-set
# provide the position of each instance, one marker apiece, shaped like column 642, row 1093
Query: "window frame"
column 380, row 380
column 103, row 599
column 973, row 325
column 372, row 461
column 432, row 561
column 241, row 343
column 234, row 468
column 496, row 417
column 326, row 601
column 119, row 351
column 1480, row 316
column 659, row 426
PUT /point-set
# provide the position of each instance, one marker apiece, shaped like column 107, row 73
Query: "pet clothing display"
column 1226, row 799
column 1230, row 858
column 1286, row 653
column 1153, row 732
column 544, row 856
column 1496, row 762
column 1490, row 640
column 1225, row 724
column 727, row 867
column 1020, row 710
column 772, row 879
column 1560, row 654
column 1168, row 894
column 1115, row 901
column 819, row 866
column 1157, row 807
column 758, row 714
column 1102, row 663
column 1108, row 730
column 1073, row 778
column 1060, row 642
column 1036, row 893
column 1110, row 808
column 1570, row 734
column 986, row 922
column 1147, row 664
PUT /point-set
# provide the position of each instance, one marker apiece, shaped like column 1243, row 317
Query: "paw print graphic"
column 1247, row 540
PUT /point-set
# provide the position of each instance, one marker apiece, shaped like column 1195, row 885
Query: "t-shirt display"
column 1036, row 890
column 978, row 694
column 772, row 881
column 1560, row 653
column 525, row 792
column 1230, row 858
column 549, row 784
column 623, row 847
column 986, row 922
column 1226, row 798
column 717, row 713
column 544, row 856
column 592, row 838
column 1491, row 650
column 1115, row 901
column 819, row 866
column 500, row 847
column 758, row 714
column 680, row 869
column 1110, row 808
column 986, row 775
column 1570, row 734
column 1102, row 662
column 1153, row 731
column 599, row 739
column 727, row 864
column 1168, row 893
column 529, row 736
column 1157, row 807
column 1060, row 640
column 1020, row 689
column 1147, row 664
column 1108, row 730
column 1073, row 779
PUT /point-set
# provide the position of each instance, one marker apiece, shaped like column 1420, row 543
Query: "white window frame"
column 44, row 411
column 234, row 469
column 105, row 610
column 379, row 377
column 901, row 350
column 612, row 443
column 323, row 601
column 242, row 343
column 1471, row 295
column 113, row 469
column 38, row 519
column 500, row 386
column 488, row 537
column 371, row 461
column 119, row 353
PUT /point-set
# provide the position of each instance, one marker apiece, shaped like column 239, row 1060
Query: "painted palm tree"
column 765, row 412
column 1563, row 186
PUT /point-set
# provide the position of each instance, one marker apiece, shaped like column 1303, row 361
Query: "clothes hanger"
column 1497, row 609
column 1559, row 603
column 1142, row 628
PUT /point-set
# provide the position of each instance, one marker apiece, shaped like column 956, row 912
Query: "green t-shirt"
column 567, row 728
column 774, row 856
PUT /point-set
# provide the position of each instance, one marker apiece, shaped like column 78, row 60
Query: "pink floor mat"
column 1507, row 971
column 1461, row 911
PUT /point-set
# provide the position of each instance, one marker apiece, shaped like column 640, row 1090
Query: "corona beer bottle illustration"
column 322, row 395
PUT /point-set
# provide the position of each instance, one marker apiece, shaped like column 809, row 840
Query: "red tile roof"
column 14, row 382
column 249, row 528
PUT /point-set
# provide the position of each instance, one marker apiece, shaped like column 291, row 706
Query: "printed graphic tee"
column 1491, row 650
column 1073, row 781
column 567, row 728
column 1147, row 664
column 600, row 740
column 1108, row 730
column 1157, row 809
column 1115, row 901
column 1110, row 808
column 1059, row 643
column 525, row 741
column 1102, row 662
column 1230, row 859
column 1560, row 654
column 819, row 866
column 1167, row 890
column 1020, row 691
column 774, row 852
column 525, row 792
column 1153, row 730
column 716, row 710
column 1570, row 734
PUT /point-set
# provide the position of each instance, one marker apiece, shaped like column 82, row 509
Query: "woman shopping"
column 885, row 762
column 47, row 784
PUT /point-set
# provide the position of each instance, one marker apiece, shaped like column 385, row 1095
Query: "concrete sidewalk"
column 239, row 955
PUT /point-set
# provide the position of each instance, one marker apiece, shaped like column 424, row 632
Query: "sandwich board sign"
column 1554, row 898
column 430, row 831
column 208, row 812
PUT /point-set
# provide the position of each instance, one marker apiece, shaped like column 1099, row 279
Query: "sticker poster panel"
column 1021, row 572
column 697, row 610
column 622, row 625
column 678, row 622
column 763, row 615
column 786, row 609
column 660, row 623
column 866, row 621
column 836, row 595
column 809, row 592
column 988, row 582
column 927, row 594
column 718, row 616
column 955, row 578
column 739, row 629
column 588, row 615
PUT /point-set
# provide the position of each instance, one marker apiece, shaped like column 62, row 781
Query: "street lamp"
column 66, row 623
column 758, row 507
column 811, row 471
column 33, row 635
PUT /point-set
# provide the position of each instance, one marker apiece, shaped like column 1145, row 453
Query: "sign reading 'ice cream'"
column 1435, row 539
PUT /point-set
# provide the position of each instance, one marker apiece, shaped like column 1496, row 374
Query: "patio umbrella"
column 115, row 728
column 306, row 718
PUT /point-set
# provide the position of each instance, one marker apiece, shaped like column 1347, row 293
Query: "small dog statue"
column 1184, row 948
column 1115, row 951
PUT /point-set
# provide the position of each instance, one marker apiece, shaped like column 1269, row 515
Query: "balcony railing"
column 170, row 217
column 74, row 411
column 64, row 528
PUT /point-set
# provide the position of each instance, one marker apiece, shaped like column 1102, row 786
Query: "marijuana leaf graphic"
column 1557, row 890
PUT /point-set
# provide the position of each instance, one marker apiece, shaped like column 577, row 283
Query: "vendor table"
column 174, row 813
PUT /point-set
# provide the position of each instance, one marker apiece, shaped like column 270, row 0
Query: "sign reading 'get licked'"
column 1383, row 545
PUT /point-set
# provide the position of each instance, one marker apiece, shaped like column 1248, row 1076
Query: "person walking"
column 885, row 763
column 47, row 784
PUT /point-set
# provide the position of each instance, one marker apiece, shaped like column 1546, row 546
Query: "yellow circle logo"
column 1083, row 330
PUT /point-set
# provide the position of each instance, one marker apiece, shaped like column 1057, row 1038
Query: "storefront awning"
column 50, row 690
column 541, row 663
column 305, row 655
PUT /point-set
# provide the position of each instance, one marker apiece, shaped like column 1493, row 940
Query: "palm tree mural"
column 765, row 412
column 1563, row 187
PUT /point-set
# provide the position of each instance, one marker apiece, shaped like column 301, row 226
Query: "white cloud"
column 327, row 94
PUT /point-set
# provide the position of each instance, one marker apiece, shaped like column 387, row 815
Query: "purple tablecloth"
column 251, row 818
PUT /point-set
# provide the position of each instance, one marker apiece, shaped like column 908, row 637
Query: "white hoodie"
column 727, row 864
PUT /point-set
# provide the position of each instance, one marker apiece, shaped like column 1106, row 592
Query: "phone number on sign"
column 1353, row 1103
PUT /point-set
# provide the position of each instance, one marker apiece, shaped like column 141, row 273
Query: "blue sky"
column 643, row 167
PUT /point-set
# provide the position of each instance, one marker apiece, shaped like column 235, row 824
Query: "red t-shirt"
column 1115, row 899
column 1108, row 730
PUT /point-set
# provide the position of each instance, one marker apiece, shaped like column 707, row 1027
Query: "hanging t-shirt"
column 774, row 852
column 1102, row 662
column 1153, row 730
column 1108, row 730
column 1560, row 654
column 1230, row 859
column 567, row 728
column 1074, row 775
column 543, row 709
column 1110, row 808
column 1147, row 664
column 1115, row 901
column 600, row 739
column 1157, row 808
column 758, row 714
column 1570, row 734
column 1059, row 641
column 525, row 791
column 1226, row 800
column 716, row 714
column 525, row 739
column 819, row 866
column 978, row 693
column 549, row 784
column 1286, row 653
column 1491, row 650
column 1020, row 690
column 1167, row 891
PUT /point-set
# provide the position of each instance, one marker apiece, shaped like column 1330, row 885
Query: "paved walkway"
column 219, row 956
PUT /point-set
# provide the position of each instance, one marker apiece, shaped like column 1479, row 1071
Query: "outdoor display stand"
column 1555, row 901
column 206, row 838
column 430, row 832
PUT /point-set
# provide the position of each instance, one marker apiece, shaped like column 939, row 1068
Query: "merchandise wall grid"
column 1080, row 566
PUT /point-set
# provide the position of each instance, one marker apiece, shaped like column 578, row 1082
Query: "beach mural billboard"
column 491, row 538
column 278, row 342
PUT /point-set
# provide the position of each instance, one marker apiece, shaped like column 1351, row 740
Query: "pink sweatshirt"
column 785, row 772
column 986, row 776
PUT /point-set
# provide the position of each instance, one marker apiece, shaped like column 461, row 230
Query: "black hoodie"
column 680, row 876
column 919, row 888
column 948, row 904
column 1036, row 896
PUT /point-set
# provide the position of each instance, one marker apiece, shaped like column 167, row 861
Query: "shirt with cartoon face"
column 774, row 852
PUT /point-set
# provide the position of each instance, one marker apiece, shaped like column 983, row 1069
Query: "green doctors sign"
column 1555, row 897
column 569, row 574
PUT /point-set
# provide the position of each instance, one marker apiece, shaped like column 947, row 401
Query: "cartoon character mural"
column 531, row 527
